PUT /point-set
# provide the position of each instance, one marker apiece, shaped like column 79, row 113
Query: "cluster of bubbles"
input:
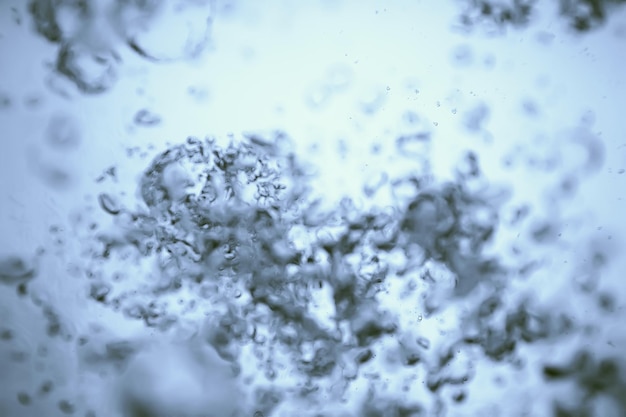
column 581, row 15
column 89, row 33
column 277, row 306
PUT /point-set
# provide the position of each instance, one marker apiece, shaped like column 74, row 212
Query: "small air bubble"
column 14, row 269
column 66, row 407
column 63, row 132
column 109, row 204
column 147, row 118
column 423, row 342
column 23, row 398
column 91, row 72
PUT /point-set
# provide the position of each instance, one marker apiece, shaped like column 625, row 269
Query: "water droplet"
column 92, row 71
column 63, row 132
column 14, row 269
column 147, row 118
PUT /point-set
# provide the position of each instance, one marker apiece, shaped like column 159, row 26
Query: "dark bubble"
column 23, row 398
column 66, row 407
column 46, row 387
column 5, row 100
column 109, row 204
column 15, row 269
column 99, row 291
column 6, row 334
column 45, row 19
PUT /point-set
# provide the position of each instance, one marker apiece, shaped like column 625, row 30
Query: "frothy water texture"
column 228, row 285
column 260, row 303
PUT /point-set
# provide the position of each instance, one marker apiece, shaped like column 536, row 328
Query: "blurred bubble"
column 63, row 132
column 91, row 70
column 339, row 77
column 545, row 37
column 177, row 379
column 462, row 55
column 318, row 95
column 15, row 269
column 44, row 17
column 5, row 100
column 475, row 117
column 416, row 144
column 147, row 118
column 55, row 176
column 166, row 30
column 372, row 101
column 66, row 407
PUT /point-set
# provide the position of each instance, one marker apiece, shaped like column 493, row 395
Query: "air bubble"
column 423, row 342
column 147, row 118
column 63, row 132
column 66, row 407
column 166, row 31
column 23, row 398
column 109, row 204
column 15, row 269
column 90, row 70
